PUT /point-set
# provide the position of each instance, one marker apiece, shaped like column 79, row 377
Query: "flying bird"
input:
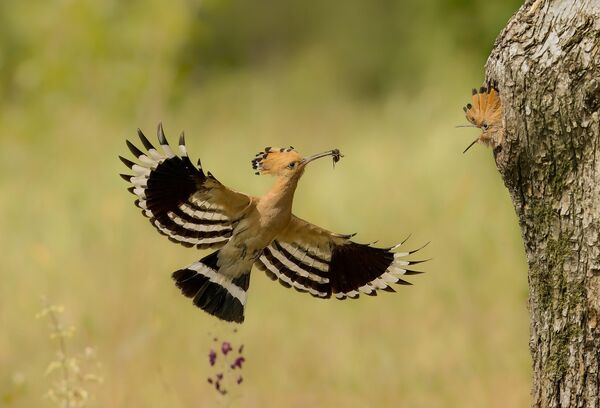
column 485, row 113
column 193, row 208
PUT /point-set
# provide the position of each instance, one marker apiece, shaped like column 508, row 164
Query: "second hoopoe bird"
column 485, row 112
column 194, row 209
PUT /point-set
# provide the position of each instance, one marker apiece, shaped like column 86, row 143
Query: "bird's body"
column 274, row 209
column 195, row 209
column 264, row 219
column 259, row 224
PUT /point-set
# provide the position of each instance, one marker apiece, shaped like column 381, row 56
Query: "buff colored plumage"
column 194, row 209
column 485, row 112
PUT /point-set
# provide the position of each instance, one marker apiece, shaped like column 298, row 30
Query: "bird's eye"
column 485, row 126
column 291, row 165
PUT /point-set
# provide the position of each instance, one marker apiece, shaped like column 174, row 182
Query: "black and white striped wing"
column 183, row 203
column 314, row 260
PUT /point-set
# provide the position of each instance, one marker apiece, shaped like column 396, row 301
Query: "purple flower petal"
column 212, row 357
column 238, row 362
column 222, row 391
column 226, row 347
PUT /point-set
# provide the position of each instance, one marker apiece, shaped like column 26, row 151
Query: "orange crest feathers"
column 485, row 112
column 273, row 160
column 486, row 109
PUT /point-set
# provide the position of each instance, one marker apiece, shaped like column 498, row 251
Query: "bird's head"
column 485, row 113
column 286, row 162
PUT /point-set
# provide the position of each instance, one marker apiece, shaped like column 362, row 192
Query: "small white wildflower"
column 68, row 390
column 54, row 365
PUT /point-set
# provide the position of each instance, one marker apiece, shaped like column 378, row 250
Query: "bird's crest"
column 485, row 112
column 272, row 160
column 486, row 107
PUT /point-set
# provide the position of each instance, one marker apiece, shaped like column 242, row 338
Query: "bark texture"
column 547, row 64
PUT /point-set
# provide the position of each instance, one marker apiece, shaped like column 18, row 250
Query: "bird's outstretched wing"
column 183, row 203
column 314, row 260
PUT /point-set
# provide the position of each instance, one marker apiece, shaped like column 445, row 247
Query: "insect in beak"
column 335, row 154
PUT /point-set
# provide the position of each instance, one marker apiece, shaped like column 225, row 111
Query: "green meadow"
column 384, row 82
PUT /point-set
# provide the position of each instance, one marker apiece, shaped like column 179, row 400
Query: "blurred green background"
column 384, row 81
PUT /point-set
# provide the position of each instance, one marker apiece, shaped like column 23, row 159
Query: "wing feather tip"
column 134, row 150
column 418, row 262
column 126, row 162
column 403, row 282
column 181, row 144
column 411, row 272
column 144, row 140
column 160, row 133
column 418, row 249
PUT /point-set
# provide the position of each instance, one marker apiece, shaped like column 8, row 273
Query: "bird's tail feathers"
column 213, row 292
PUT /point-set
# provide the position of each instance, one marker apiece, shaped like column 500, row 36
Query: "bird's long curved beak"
column 335, row 153
column 471, row 145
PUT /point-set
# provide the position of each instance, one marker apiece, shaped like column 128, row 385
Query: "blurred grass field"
column 78, row 77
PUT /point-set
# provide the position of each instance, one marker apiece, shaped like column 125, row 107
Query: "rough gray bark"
column 547, row 64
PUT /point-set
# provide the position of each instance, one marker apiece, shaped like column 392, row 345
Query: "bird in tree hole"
column 485, row 113
column 193, row 208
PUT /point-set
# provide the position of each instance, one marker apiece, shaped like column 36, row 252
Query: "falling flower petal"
column 222, row 391
column 238, row 362
column 212, row 357
column 226, row 347
column 221, row 377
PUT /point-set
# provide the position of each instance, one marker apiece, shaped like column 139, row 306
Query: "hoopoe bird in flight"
column 193, row 208
column 485, row 113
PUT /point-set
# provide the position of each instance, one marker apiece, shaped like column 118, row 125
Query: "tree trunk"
column 547, row 64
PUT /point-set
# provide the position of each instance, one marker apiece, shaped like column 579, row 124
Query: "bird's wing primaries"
column 314, row 260
column 183, row 203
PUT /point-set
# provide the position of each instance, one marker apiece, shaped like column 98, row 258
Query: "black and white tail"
column 215, row 293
